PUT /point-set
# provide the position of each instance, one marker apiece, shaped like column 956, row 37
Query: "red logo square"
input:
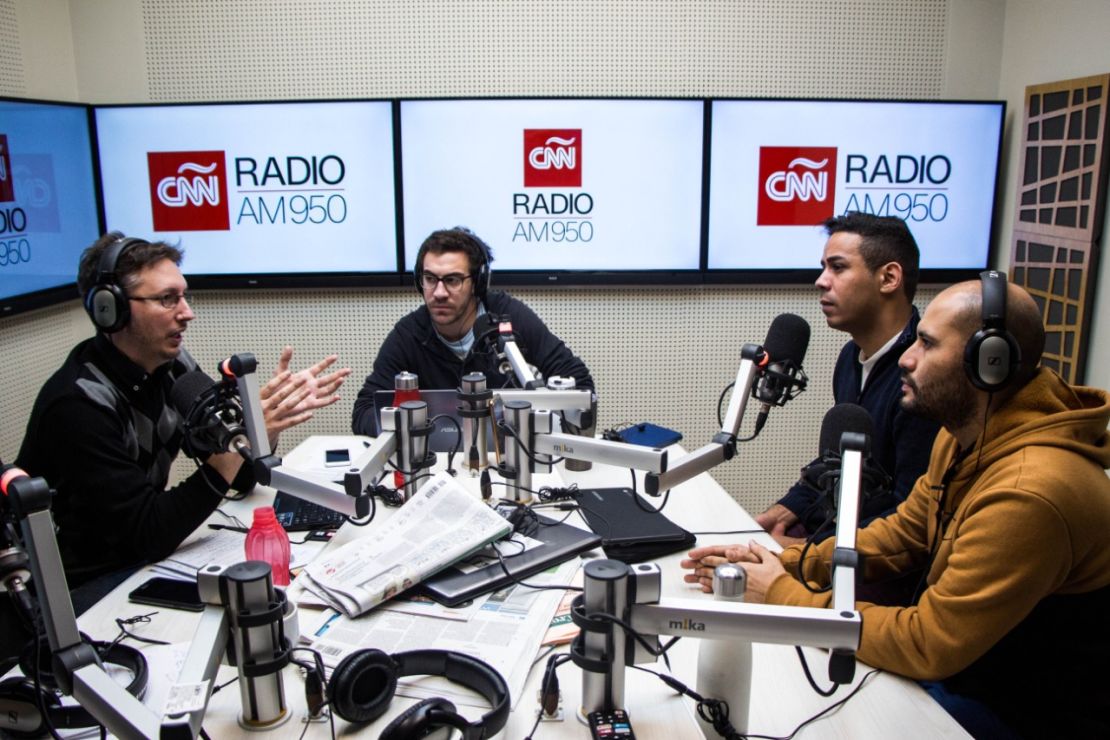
column 797, row 185
column 553, row 157
column 7, row 179
column 188, row 191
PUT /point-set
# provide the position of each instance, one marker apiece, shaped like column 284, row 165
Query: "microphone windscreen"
column 187, row 389
column 843, row 417
column 787, row 339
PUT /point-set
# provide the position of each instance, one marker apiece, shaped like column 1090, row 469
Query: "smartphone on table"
column 168, row 592
column 337, row 458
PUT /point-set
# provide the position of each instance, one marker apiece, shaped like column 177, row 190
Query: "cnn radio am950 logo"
column 553, row 208
column 28, row 203
column 189, row 190
column 798, row 185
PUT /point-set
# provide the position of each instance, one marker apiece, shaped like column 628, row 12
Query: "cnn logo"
column 188, row 191
column 797, row 185
column 553, row 158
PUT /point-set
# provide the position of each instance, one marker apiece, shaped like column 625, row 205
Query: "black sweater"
column 104, row 436
column 413, row 346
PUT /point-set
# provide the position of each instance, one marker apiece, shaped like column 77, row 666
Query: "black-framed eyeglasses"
column 166, row 300
column 452, row 282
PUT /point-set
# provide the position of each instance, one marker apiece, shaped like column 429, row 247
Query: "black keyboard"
column 298, row 515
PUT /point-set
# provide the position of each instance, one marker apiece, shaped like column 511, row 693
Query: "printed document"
column 440, row 525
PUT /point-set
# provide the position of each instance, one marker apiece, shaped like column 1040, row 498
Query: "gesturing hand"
column 290, row 398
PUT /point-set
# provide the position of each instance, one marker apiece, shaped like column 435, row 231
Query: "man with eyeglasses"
column 104, row 435
column 437, row 341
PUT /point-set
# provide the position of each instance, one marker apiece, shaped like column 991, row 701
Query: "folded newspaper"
column 440, row 525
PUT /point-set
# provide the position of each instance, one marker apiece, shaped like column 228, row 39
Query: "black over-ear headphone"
column 19, row 697
column 481, row 275
column 106, row 303
column 362, row 685
column 992, row 356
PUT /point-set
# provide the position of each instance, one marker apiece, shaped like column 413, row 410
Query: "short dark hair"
column 458, row 239
column 138, row 256
column 884, row 239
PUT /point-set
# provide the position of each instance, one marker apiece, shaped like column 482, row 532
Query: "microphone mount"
column 615, row 595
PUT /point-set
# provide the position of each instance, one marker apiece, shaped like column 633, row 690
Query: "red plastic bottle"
column 406, row 387
column 267, row 541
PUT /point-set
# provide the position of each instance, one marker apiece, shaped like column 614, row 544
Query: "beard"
column 949, row 400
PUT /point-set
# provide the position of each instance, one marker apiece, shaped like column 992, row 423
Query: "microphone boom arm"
column 723, row 446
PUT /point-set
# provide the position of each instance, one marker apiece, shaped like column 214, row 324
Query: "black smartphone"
column 168, row 592
column 336, row 458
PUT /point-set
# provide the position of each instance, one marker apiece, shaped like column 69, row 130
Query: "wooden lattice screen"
column 1059, row 213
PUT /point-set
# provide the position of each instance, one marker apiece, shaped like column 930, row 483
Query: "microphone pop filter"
column 844, row 417
column 787, row 339
column 188, row 389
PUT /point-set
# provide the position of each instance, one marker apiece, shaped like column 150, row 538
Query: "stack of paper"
column 437, row 527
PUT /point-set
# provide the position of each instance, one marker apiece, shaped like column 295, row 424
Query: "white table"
column 888, row 706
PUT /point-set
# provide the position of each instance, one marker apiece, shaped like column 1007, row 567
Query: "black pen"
column 244, row 530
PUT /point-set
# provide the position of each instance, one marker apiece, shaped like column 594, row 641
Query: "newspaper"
column 437, row 527
column 505, row 632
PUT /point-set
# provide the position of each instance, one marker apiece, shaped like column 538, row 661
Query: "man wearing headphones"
column 443, row 340
column 103, row 433
column 1011, row 523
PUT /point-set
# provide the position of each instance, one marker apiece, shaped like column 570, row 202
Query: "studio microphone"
column 781, row 377
column 212, row 415
column 824, row 474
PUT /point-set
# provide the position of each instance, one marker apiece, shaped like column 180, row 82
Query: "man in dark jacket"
column 447, row 337
column 104, row 433
column 867, row 283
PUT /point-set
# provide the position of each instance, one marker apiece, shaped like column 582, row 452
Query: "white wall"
column 640, row 343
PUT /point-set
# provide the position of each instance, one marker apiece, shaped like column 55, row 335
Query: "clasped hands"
column 291, row 398
column 760, row 564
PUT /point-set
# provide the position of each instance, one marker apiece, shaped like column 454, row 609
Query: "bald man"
column 1010, row 630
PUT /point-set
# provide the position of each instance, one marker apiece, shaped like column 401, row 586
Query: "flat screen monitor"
column 778, row 168
column 48, row 205
column 255, row 192
column 558, row 187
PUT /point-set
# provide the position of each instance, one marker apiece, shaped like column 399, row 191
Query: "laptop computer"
column 630, row 532
column 440, row 403
column 561, row 542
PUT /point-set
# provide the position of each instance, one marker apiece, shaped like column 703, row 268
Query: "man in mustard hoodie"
column 1009, row 526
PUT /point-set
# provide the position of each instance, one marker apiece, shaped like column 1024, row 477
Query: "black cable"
column 810, row 541
column 503, row 426
column 124, row 633
column 39, row 694
column 505, row 569
column 237, row 496
column 715, row 711
column 809, row 676
column 457, row 449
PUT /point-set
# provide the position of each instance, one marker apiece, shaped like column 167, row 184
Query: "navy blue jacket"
column 901, row 443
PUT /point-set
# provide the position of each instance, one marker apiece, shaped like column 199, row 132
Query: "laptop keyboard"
column 298, row 515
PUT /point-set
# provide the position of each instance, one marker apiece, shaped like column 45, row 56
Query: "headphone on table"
column 481, row 275
column 106, row 303
column 362, row 686
column 20, row 698
column 992, row 356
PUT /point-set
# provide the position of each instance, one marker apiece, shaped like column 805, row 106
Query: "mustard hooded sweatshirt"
column 1015, row 606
